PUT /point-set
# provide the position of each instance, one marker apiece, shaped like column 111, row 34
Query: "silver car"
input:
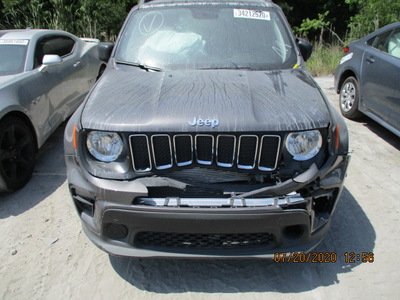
column 44, row 77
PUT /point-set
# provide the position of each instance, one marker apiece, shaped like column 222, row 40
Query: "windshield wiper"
column 140, row 65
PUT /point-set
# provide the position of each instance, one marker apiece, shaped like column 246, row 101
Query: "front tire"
column 17, row 154
column 350, row 98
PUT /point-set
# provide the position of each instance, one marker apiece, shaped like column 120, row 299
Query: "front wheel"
column 17, row 154
column 349, row 98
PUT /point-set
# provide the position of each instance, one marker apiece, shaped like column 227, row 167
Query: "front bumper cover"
column 255, row 224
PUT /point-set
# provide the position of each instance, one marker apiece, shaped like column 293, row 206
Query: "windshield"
column 216, row 37
column 12, row 59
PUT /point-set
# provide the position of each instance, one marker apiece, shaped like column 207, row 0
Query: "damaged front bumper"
column 291, row 216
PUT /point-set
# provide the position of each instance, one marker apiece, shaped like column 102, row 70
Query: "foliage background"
column 328, row 24
column 85, row 18
column 317, row 20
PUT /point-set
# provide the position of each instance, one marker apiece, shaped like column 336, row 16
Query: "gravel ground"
column 45, row 255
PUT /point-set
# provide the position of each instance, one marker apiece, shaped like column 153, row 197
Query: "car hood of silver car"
column 132, row 99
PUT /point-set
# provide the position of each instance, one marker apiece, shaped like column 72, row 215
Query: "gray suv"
column 206, row 137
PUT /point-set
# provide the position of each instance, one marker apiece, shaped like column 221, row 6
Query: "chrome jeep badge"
column 204, row 122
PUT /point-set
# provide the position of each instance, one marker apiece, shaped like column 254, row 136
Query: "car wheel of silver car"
column 349, row 98
column 17, row 154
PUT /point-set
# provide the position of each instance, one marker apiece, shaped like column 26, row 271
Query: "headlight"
column 304, row 145
column 104, row 146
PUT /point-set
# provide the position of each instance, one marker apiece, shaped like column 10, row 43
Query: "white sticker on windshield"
column 13, row 42
column 251, row 14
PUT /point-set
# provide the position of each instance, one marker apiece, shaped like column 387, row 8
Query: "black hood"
column 132, row 100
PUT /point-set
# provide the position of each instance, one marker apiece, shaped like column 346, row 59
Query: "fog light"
column 115, row 231
column 293, row 232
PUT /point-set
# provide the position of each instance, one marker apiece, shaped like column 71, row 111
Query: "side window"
column 59, row 45
column 380, row 41
column 394, row 43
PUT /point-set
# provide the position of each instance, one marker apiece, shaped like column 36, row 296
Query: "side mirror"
column 305, row 48
column 105, row 50
column 50, row 60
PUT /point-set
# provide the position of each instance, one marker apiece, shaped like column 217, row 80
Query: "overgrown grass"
column 324, row 59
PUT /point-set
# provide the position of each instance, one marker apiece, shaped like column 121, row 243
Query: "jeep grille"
column 163, row 151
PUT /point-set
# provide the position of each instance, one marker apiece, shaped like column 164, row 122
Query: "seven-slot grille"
column 163, row 151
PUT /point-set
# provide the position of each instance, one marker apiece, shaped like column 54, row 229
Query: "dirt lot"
column 45, row 255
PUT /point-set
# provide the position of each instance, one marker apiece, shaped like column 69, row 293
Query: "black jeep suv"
column 206, row 137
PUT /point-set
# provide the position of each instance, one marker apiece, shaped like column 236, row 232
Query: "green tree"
column 102, row 18
column 372, row 15
column 338, row 18
column 314, row 25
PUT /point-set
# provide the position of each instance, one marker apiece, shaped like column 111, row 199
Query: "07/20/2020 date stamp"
column 323, row 257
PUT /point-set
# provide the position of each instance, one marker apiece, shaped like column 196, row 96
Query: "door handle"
column 77, row 64
column 370, row 59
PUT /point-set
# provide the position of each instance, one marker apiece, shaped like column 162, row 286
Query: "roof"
column 166, row 2
column 26, row 34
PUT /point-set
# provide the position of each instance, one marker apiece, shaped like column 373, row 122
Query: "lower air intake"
column 201, row 241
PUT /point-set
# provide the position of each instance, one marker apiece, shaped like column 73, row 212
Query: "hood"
column 131, row 99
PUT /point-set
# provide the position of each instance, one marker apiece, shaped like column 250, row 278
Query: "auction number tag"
column 251, row 14
column 13, row 42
